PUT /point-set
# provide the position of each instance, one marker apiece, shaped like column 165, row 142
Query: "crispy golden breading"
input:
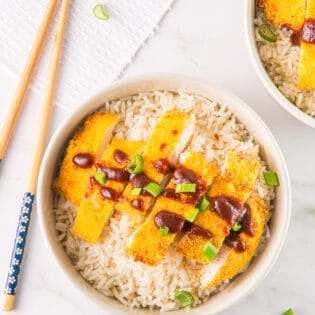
column 195, row 162
column 124, row 205
column 95, row 134
column 284, row 12
column 95, row 210
column 191, row 245
column 173, row 130
column 168, row 139
column 306, row 70
column 147, row 245
column 233, row 262
column 237, row 181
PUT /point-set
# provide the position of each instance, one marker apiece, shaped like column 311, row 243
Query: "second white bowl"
column 262, row 73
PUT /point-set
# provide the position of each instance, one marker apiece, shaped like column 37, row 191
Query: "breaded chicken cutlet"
column 229, row 191
column 106, row 186
column 230, row 262
column 306, row 70
column 166, row 199
column 168, row 139
column 170, row 210
column 284, row 12
column 81, row 155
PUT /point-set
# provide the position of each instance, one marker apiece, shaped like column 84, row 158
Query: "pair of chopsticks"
column 26, row 209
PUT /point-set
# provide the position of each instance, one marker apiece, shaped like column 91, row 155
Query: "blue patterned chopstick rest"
column 19, row 243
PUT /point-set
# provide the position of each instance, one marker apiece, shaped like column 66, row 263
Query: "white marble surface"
column 205, row 39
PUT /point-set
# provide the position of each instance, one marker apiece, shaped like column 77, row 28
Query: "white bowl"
column 270, row 151
column 262, row 73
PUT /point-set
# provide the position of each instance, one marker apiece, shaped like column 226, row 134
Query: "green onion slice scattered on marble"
column 100, row 13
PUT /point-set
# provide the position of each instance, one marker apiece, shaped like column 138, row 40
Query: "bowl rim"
column 90, row 105
column 262, row 72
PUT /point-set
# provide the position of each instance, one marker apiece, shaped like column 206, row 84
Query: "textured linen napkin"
column 95, row 52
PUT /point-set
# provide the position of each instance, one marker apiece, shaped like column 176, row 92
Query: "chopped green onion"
column 288, row 312
column 154, row 189
column 164, row 231
column 185, row 298
column 136, row 191
column 271, row 179
column 266, row 33
column 100, row 177
column 236, row 227
column 203, row 204
column 191, row 216
column 184, row 188
column 209, row 251
column 136, row 164
column 99, row 12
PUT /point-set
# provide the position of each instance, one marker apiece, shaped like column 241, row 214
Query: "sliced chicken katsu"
column 284, row 12
column 105, row 188
column 227, row 195
column 82, row 153
column 168, row 140
column 234, row 256
column 190, row 181
column 306, row 70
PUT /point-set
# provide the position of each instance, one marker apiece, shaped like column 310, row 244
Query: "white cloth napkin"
column 95, row 52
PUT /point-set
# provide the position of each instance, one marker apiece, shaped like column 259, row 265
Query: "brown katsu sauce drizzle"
column 121, row 157
column 183, row 175
column 192, row 198
column 137, row 204
column 234, row 241
column 308, row 31
column 228, row 208
column 83, row 160
column 295, row 37
column 246, row 221
column 174, row 222
column 113, row 173
column 106, row 192
column 194, row 230
column 139, row 180
column 170, row 193
column 109, row 193
column 162, row 166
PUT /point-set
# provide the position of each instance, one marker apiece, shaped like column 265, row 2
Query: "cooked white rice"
column 281, row 60
column 105, row 265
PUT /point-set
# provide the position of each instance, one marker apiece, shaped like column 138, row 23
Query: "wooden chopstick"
column 25, row 216
column 16, row 105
